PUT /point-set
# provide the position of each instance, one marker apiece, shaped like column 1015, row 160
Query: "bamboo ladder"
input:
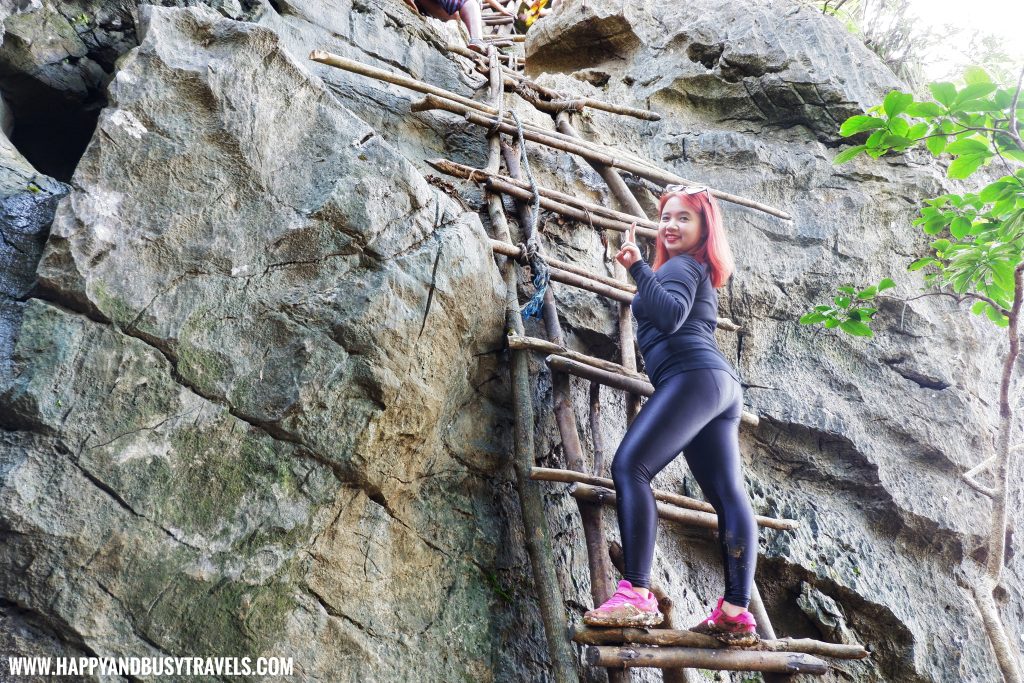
column 676, row 651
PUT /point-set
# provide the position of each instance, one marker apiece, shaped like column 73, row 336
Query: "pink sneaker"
column 625, row 608
column 740, row 630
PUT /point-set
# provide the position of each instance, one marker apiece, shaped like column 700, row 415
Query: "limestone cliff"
column 253, row 393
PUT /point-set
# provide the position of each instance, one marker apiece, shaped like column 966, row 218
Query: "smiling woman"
column 695, row 408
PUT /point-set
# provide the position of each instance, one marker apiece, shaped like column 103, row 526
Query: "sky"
column 1004, row 18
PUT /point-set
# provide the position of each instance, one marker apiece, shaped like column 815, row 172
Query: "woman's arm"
column 668, row 301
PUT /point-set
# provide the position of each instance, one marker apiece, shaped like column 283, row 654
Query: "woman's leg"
column 714, row 458
column 471, row 17
column 666, row 424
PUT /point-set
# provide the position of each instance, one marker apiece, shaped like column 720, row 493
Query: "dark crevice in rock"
column 708, row 55
column 919, row 378
column 51, row 129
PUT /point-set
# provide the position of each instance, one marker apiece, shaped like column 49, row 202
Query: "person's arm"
column 500, row 7
column 668, row 301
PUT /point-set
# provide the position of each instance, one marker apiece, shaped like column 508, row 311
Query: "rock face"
column 253, row 398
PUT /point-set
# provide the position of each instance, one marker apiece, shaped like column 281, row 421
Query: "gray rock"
column 259, row 401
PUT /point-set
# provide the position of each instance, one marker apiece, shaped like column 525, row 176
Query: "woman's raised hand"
column 629, row 253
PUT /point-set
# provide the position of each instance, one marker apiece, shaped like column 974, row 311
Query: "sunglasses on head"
column 688, row 189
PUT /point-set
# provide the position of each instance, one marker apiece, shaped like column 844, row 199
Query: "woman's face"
column 681, row 228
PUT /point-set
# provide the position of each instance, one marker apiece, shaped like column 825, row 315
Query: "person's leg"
column 714, row 458
column 666, row 424
column 470, row 13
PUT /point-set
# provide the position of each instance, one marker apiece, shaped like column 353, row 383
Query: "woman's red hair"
column 713, row 247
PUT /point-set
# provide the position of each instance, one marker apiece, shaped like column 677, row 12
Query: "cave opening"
column 51, row 128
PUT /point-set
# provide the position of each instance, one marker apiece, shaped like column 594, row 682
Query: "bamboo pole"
column 478, row 175
column 621, row 382
column 601, row 584
column 721, row 659
column 630, row 207
column 587, row 635
column 600, row 154
column 565, row 476
column 538, row 540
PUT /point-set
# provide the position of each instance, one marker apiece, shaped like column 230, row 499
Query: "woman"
column 695, row 408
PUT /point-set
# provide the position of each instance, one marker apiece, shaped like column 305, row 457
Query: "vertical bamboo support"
column 601, row 584
column 538, row 541
column 628, row 204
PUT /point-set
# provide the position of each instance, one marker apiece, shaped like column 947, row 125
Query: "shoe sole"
column 625, row 622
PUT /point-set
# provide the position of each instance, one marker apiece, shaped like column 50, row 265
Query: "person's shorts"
column 449, row 6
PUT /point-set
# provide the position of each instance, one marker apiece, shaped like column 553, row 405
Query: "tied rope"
column 538, row 266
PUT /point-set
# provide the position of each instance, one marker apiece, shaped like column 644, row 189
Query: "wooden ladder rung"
column 674, row 657
column 618, row 381
column 672, row 499
column 668, row 511
column 590, row 635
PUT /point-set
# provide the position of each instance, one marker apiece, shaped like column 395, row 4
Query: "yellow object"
column 528, row 12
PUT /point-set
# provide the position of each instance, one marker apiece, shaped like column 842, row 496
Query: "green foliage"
column 849, row 312
column 980, row 235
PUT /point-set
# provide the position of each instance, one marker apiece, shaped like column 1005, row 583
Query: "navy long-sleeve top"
column 676, row 310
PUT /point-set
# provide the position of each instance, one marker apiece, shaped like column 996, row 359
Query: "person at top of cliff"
column 447, row 10
column 695, row 408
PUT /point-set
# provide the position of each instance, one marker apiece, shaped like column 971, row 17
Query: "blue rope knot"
column 541, row 277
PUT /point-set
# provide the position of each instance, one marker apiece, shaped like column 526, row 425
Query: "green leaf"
column 924, row 109
column 841, row 301
column 856, row 328
column 991, row 192
column 978, row 307
column 895, row 102
column 899, row 126
column 867, row 292
column 965, row 165
column 936, row 144
column 831, row 322
column 968, row 146
column 852, row 291
column 973, row 92
column 875, row 138
column 918, row 130
column 1002, row 274
column 975, row 74
column 811, row 318
column 886, row 283
column 823, row 308
column 943, row 92
column 997, row 317
column 856, row 124
column 941, row 245
column 848, row 154
column 960, row 227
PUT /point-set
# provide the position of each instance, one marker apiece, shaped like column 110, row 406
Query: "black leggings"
column 698, row 412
